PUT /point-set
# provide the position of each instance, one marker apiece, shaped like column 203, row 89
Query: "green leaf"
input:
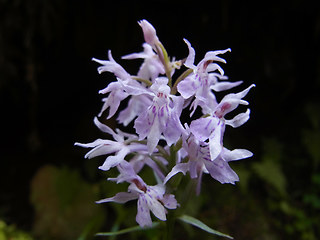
column 197, row 223
column 128, row 230
column 271, row 173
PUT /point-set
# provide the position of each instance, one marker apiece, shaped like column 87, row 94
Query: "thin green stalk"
column 169, row 230
column 163, row 55
column 146, row 81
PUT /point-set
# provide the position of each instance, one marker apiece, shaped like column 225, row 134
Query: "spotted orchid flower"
column 151, row 67
column 112, row 66
column 161, row 117
column 200, row 161
column 118, row 90
column 121, row 146
column 204, row 79
column 150, row 198
column 212, row 128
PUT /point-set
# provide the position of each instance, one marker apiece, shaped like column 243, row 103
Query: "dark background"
column 49, row 86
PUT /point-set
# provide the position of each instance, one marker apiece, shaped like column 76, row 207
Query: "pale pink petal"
column 187, row 88
column 212, row 55
column 136, row 106
column 155, row 206
column 143, row 124
column 106, row 129
column 238, row 95
column 236, row 154
column 121, row 197
column 153, row 136
column 190, row 59
column 202, row 128
column 213, row 67
column 215, row 141
column 100, row 147
column 239, row 119
column 180, row 167
column 112, row 66
column 169, row 201
column 222, row 86
column 221, row 171
column 113, row 161
column 143, row 217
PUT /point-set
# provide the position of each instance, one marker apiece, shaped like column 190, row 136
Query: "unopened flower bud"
column 150, row 35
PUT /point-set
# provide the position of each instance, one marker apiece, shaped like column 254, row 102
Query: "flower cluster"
column 163, row 141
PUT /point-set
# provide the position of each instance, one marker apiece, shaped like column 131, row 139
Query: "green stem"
column 168, row 235
column 163, row 152
column 146, row 81
column 164, row 58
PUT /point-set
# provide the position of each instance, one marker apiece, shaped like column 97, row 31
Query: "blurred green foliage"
column 10, row 232
column 64, row 205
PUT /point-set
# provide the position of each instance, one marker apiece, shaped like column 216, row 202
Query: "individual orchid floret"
column 195, row 164
column 149, row 33
column 199, row 162
column 207, row 61
column 151, row 67
column 213, row 126
column 150, row 198
column 116, row 95
column 219, row 168
column 119, row 90
column 162, row 117
column 125, row 80
column 204, row 79
column 112, row 66
column 121, row 146
column 151, row 38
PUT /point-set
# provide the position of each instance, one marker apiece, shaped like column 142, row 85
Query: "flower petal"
column 190, row 59
column 235, row 154
column 239, row 95
column 154, row 136
column 222, row 86
column 121, row 197
column 173, row 130
column 239, row 119
column 113, row 161
column 143, row 125
column 100, row 147
column 187, row 87
column 156, row 207
column 169, row 201
column 215, row 141
column 180, row 167
column 143, row 217
column 136, row 106
column 212, row 55
column 112, row 66
column 221, row 171
column 202, row 128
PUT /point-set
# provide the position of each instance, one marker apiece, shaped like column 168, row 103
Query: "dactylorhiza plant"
column 162, row 141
